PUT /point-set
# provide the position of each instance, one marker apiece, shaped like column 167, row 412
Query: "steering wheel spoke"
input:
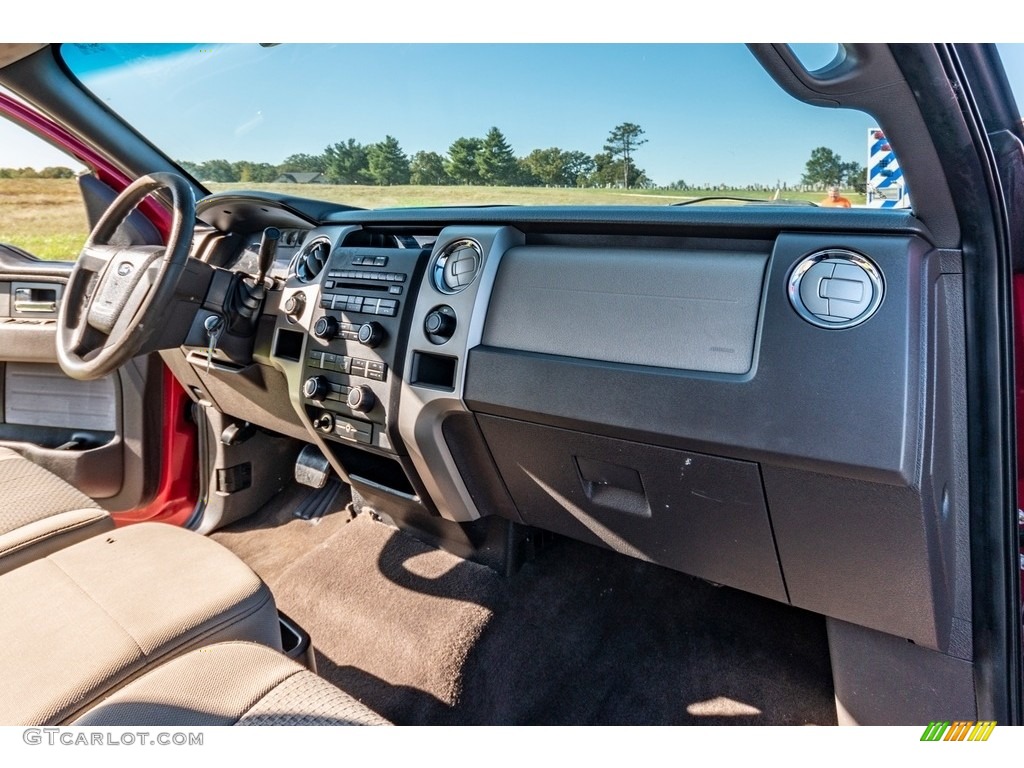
column 95, row 257
column 85, row 340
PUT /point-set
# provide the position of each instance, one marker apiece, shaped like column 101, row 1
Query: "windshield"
column 417, row 125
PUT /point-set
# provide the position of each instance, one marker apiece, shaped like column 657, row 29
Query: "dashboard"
column 766, row 399
column 248, row 259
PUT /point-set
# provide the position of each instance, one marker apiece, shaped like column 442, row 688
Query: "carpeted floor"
column 273, row 538
column 579, row 636
column 588, row 636
column 393, row 619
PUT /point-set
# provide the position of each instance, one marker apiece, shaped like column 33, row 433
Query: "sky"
column 710, row 114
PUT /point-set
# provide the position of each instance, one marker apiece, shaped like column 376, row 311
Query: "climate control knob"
column 326, row 328
column 361, row 399
column 316, row 387
column 372, row 334
column 439, row 325
column 294, row 305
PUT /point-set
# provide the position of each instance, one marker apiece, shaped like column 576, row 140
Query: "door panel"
column 103, row 437
column 90, row 433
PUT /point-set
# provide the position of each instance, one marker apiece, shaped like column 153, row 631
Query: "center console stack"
column 355, row 352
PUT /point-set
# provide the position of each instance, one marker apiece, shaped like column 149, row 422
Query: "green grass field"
column 46, row 217
column 405, row 196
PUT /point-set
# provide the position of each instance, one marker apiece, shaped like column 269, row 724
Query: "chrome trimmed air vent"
column 836, row 288
column 457, row 266
column 311, row 260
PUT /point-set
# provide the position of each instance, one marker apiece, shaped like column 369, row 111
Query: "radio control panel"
column 356, row 346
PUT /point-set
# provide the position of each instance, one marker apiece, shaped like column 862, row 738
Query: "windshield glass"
column 414, row 125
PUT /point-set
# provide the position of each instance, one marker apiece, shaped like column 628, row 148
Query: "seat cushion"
column 40, row 513
column 84, row 621
column 230, row 684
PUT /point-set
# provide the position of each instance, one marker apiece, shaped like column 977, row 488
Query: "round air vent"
column 835, row 288
column 311, row 260
column 292, row 237
column 457, row 266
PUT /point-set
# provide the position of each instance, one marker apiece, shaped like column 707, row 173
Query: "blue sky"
column 711, row 115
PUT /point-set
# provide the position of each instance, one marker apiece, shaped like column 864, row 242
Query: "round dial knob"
column 294, row 306
column 361, row 399
column 372, row 334
column 439, row 323
column 326, row 327
column 316, row 387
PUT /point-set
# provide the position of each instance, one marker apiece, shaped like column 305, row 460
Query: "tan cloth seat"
column 230, row 684
column 40, row 513
column 84, row 621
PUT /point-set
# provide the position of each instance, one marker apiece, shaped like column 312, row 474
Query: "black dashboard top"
column 246, row 211
column 756, row 220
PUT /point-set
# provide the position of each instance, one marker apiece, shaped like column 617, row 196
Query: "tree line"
column 54, row 172
column 488, row 160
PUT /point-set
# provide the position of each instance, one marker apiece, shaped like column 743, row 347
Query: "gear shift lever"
column 246, row 300
column 268, row 249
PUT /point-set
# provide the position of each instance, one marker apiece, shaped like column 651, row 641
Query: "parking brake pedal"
column 318, row 502
column 312, row 467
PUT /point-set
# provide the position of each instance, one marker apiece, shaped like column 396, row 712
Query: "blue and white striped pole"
column 886, row 186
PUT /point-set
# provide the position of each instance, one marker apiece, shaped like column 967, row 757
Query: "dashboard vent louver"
column 312, row 259
column 457, row 266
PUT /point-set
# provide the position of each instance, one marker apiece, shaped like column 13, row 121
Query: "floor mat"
column 580, row 635
column 393, row 620
column 271, row 540
column 586, row 636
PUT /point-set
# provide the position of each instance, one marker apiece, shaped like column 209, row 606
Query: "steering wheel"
column 116, row 294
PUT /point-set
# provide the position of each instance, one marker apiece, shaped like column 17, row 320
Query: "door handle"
column 35, row 301
column 38, row 307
